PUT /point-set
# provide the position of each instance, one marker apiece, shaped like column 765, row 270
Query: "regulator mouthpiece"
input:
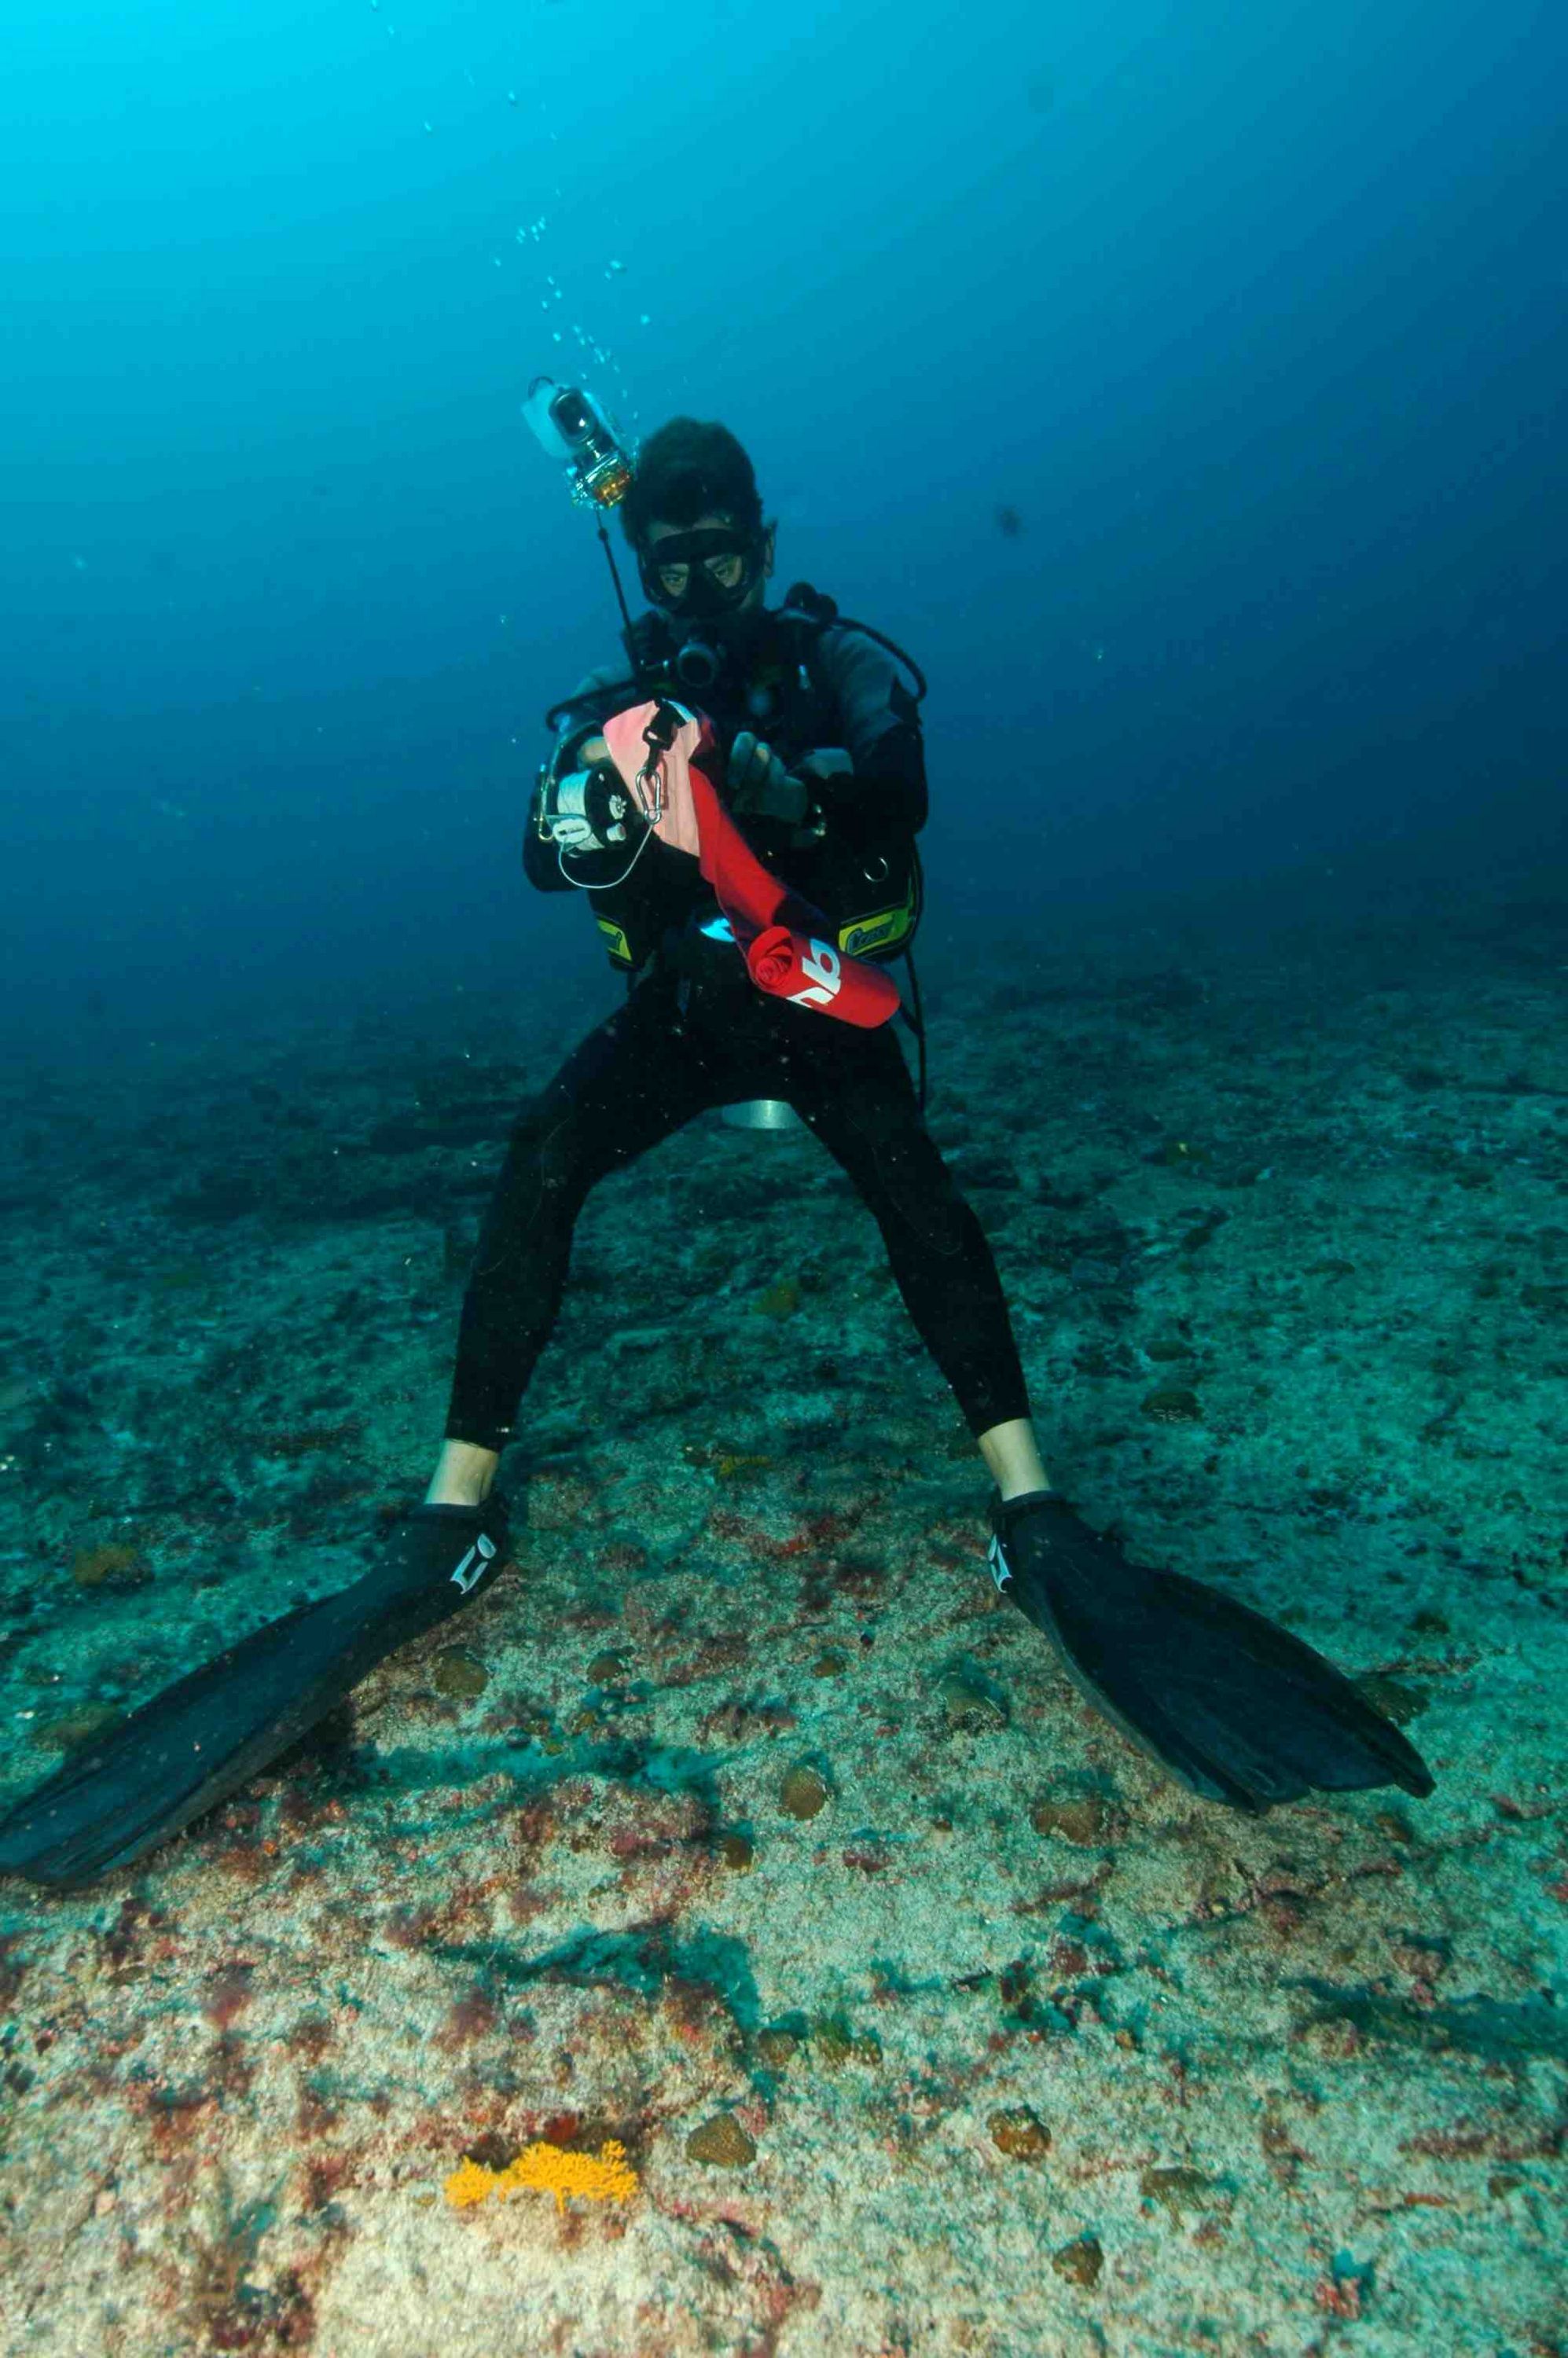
column 698, row 664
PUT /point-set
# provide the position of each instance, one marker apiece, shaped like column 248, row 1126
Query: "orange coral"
column 606, row 2177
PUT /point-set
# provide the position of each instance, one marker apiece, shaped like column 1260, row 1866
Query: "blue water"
column 1255, row 318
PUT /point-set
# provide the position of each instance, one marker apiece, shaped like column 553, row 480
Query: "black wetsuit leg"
column 640, row 1076
column 633, row 1082
column 854, row 1090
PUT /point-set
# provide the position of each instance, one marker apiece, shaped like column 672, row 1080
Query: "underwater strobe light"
column 572, row 426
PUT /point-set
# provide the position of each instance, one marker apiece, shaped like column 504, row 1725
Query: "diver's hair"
column 690, row 469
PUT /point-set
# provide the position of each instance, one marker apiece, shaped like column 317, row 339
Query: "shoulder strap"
column 813, row 610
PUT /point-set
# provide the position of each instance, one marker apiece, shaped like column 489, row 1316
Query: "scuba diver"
column 831, row 797
column 740, row 802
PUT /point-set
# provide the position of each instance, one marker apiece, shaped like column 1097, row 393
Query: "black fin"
column 1236, row 1707
column 202, row 1737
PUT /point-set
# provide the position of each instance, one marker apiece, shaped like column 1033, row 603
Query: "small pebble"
column 1179, row 2189
column 803, row 1793
column 116, row 1569
column 607, row 1670
column 834, row 2043
column 969, row 1706
column 1020, row 2134
column 1173, row 1404
column 1084, row 1819
column 1080, row 2261
column 458, row 1673
column 721, row 2141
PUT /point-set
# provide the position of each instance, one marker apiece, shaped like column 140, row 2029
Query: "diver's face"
column 726, row 568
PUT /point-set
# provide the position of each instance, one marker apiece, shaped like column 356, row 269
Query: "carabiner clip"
column 658, row 737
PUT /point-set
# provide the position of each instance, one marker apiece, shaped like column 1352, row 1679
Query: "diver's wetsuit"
column 695, row 1034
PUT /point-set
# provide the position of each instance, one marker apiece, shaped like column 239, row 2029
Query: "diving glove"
column 758, row 785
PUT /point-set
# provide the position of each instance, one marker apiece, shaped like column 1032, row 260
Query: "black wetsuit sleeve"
column 590, row 705
column 880, row 721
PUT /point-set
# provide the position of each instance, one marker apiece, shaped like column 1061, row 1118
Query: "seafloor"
column 742, row 1824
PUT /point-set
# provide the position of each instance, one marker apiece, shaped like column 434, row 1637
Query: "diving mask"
column 702, row 596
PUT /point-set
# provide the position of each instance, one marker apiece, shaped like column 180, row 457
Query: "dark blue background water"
column 1256, row 315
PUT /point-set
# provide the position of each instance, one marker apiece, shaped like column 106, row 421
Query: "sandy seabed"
column 743, row 1823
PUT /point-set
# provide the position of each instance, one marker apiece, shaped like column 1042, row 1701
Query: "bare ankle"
column 463, row 1476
